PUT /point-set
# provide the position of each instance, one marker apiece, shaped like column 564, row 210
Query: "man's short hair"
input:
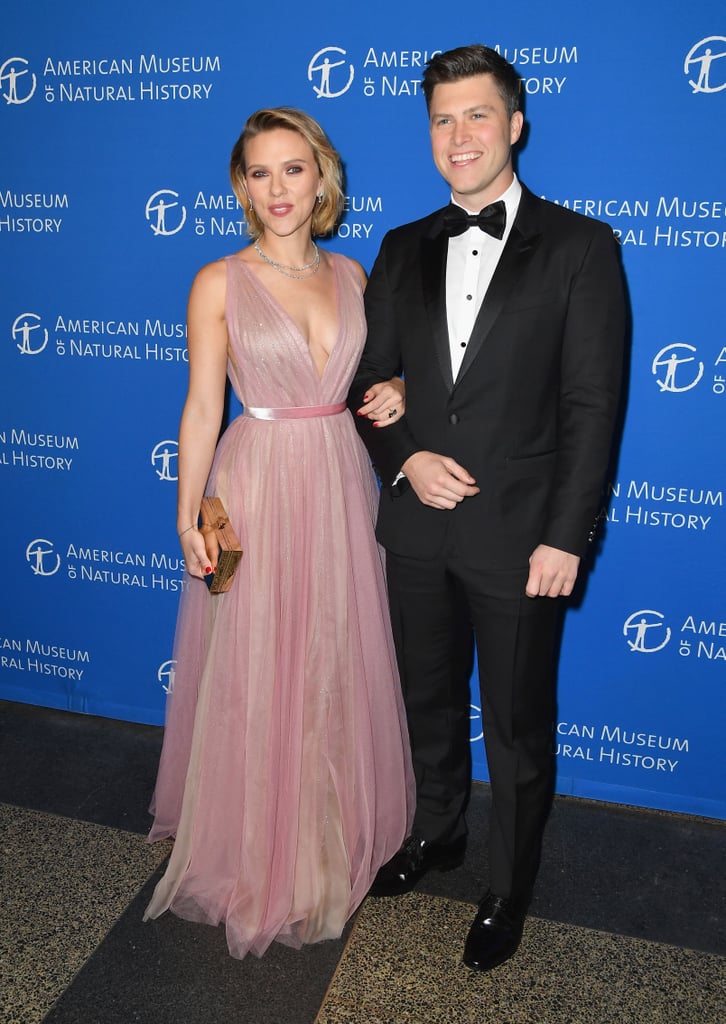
column 468, row 61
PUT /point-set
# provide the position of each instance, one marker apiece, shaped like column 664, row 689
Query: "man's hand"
column 438, row 481
column 552, row 573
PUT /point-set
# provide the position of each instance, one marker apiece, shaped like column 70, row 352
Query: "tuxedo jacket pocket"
column 523, row 498
column 518, row 466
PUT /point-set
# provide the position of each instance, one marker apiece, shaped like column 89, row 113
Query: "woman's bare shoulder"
column 211, row 279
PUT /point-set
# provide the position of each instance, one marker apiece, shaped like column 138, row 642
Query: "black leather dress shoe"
column 417, row 856
column 495, row 934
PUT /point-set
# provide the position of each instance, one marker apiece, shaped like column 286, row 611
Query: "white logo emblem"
column 640, row 623
column 161, row 456
column 322, row 65
column 671, row 360
column 39, row 555
column 165, row 675
column 159, row 205
column 23, row 326
column 11, row 71
column 475, row 717
column 710, row 76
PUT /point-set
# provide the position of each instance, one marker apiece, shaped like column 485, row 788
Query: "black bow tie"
column 491, row 219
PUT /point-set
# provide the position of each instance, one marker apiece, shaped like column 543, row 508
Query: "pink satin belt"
column 300, row 413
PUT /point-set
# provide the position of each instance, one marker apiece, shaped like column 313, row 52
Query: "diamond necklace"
column 297, row 272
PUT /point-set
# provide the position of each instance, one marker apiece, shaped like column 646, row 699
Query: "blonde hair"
column 328, row 210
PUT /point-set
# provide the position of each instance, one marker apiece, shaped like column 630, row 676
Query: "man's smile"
column 461, row 158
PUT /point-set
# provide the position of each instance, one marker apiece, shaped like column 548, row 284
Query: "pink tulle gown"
column 285, row 773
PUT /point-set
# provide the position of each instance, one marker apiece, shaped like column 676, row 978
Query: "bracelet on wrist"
column 192, row 527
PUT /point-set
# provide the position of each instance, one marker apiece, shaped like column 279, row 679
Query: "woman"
column 285, row 772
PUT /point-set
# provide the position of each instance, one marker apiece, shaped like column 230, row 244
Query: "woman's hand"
column 201, row 551
column 384, row 403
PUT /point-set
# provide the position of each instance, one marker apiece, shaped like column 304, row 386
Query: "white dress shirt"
column 470, row 264
column 472, row 259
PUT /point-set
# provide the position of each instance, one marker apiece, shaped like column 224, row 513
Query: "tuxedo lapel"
column 434, row 248
column 521, row 244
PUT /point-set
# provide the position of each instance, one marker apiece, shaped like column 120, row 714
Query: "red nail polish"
column 208, row 569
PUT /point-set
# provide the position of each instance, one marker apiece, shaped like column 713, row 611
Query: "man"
column 509, row 332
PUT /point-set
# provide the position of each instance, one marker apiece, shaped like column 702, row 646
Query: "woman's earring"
column 320, row 197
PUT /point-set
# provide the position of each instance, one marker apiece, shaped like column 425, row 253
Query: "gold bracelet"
column 187, row 530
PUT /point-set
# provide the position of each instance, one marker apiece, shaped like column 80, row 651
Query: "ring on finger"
column 392, row 413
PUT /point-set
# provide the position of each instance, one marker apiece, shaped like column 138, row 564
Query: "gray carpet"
column 403, row 965
column 628, row 921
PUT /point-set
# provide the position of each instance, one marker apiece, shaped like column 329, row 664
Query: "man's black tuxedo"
column 531, row 412
column 530, row 416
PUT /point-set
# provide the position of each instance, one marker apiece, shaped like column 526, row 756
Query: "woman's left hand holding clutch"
column 200, row 551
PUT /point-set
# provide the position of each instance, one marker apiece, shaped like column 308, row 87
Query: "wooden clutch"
column 216, row 521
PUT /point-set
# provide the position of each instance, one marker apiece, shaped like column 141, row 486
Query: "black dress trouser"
column 439, row 609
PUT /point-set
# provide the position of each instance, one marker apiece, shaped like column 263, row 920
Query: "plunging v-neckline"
column 291, row 319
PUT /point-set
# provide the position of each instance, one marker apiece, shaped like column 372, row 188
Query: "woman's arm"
column 202, row 414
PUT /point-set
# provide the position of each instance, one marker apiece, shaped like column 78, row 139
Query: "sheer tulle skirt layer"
column 285, row 770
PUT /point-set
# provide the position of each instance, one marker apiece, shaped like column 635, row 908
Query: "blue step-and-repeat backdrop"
column 117, row 120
